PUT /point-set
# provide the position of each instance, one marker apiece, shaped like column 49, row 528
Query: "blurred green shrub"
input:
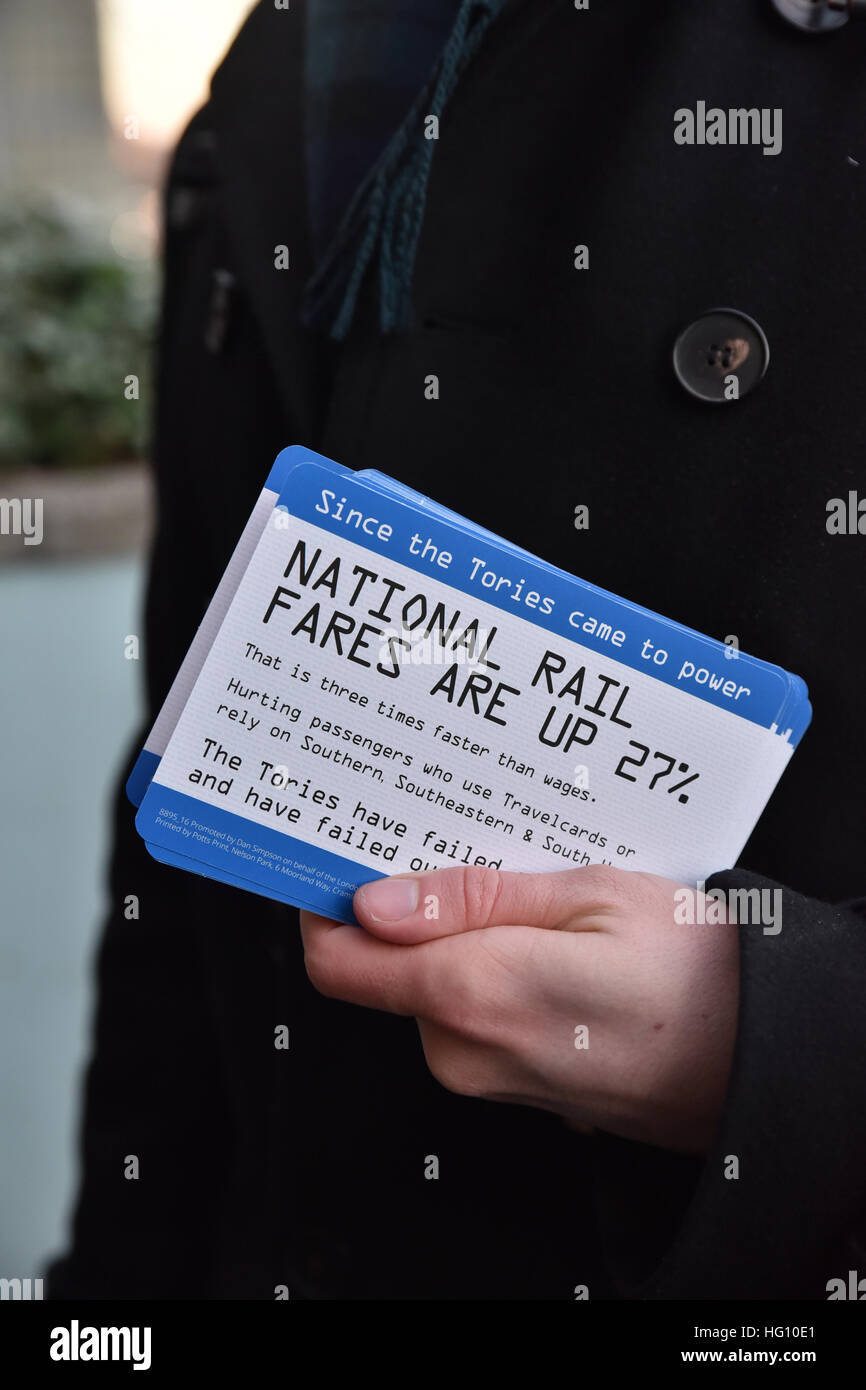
column 75, row 321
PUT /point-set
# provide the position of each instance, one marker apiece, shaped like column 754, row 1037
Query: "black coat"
column 261, row 1167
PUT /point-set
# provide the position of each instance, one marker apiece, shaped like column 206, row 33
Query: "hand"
column 501, row 969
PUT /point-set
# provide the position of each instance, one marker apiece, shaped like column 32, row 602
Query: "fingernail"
column 389, row 899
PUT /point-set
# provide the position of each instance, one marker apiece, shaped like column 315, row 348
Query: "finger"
column 345, row 963
column 449, row 981
column 420, row 907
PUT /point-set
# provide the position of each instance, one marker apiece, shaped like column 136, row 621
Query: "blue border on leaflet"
column 147, row 762
column 321, row 897
column 776, row 699
column 793, row 712
column 142, row 775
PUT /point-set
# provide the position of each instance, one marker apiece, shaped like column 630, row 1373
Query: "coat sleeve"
column 788, row 1216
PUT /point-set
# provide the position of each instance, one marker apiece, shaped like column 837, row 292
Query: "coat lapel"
column 257, row 114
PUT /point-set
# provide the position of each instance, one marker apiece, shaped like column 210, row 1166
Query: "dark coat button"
column 183, row 207
column 219, row 311
column 814, row 16
column 721, row 344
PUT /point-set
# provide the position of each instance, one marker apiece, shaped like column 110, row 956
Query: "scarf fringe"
column 383, row 221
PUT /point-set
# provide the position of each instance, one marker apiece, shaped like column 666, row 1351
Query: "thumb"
column 410, row 908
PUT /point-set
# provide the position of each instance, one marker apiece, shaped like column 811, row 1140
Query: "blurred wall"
column 52, row 125
column 68, row 705
column 71, row 72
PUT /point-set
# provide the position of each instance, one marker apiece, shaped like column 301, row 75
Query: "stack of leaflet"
column 380, row 686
